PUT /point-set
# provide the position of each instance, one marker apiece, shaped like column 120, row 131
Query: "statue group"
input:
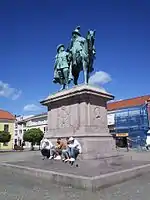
column 79, row 56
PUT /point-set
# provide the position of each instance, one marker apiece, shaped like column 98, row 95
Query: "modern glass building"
column 131, row 119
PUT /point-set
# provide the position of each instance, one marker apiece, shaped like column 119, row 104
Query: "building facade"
column 130, row 118
column 20, row 128
column 7, row 122
column 28, row 122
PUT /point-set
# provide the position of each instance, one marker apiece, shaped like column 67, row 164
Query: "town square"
column 74, row 100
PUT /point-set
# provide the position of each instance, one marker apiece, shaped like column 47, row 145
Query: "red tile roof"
column 6, row 115
column 128, row 103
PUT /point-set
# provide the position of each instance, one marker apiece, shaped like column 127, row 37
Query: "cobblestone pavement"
column 15, row 156
column 93, row 167
column 14, row 186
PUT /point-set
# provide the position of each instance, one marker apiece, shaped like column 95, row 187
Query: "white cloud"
column 100, row 77
column 102, row 89
column 9, row 92
column 99, row 87
column 31, row 107
column 17, row 95
column 115, row 100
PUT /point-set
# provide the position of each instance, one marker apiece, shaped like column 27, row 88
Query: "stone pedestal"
column 81, row 112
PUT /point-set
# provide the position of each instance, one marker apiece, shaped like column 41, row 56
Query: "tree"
column 33, row 136
column 4, row 137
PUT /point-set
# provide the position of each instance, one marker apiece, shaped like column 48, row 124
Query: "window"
column 112, row 131
column 16, row 133
column 6, row 128
column 45, row 129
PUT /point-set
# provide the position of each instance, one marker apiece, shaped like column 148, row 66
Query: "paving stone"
column 88, row 168
column 14, row 186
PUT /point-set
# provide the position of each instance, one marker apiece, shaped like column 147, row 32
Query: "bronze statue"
column 62, row 68
column 79, row 57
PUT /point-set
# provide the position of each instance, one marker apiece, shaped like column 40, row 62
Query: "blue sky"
column 31, row 30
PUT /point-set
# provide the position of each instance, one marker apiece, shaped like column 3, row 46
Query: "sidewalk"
column 135, row 154
column 88, row 168
column 7, row 151
column 12, row 151
column 90, row 174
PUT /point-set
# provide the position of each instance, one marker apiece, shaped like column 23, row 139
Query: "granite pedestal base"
column 81, row 112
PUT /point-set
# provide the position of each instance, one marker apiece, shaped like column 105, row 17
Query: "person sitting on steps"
column 74, row 149
column 65, row 154
column 46, row 146
column 57, row 151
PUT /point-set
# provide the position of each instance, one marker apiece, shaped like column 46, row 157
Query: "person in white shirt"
column 148, row 140
column 74, row 149
column 46, row 146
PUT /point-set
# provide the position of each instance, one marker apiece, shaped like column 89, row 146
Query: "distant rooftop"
column 137, row 101
column 22, row 117
column 5, row 115
column 33, row 117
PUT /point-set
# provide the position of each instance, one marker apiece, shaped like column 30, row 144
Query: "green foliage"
column 4, row 137
column 33, row 135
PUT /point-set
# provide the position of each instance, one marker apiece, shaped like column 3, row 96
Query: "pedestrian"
column 148, row 140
